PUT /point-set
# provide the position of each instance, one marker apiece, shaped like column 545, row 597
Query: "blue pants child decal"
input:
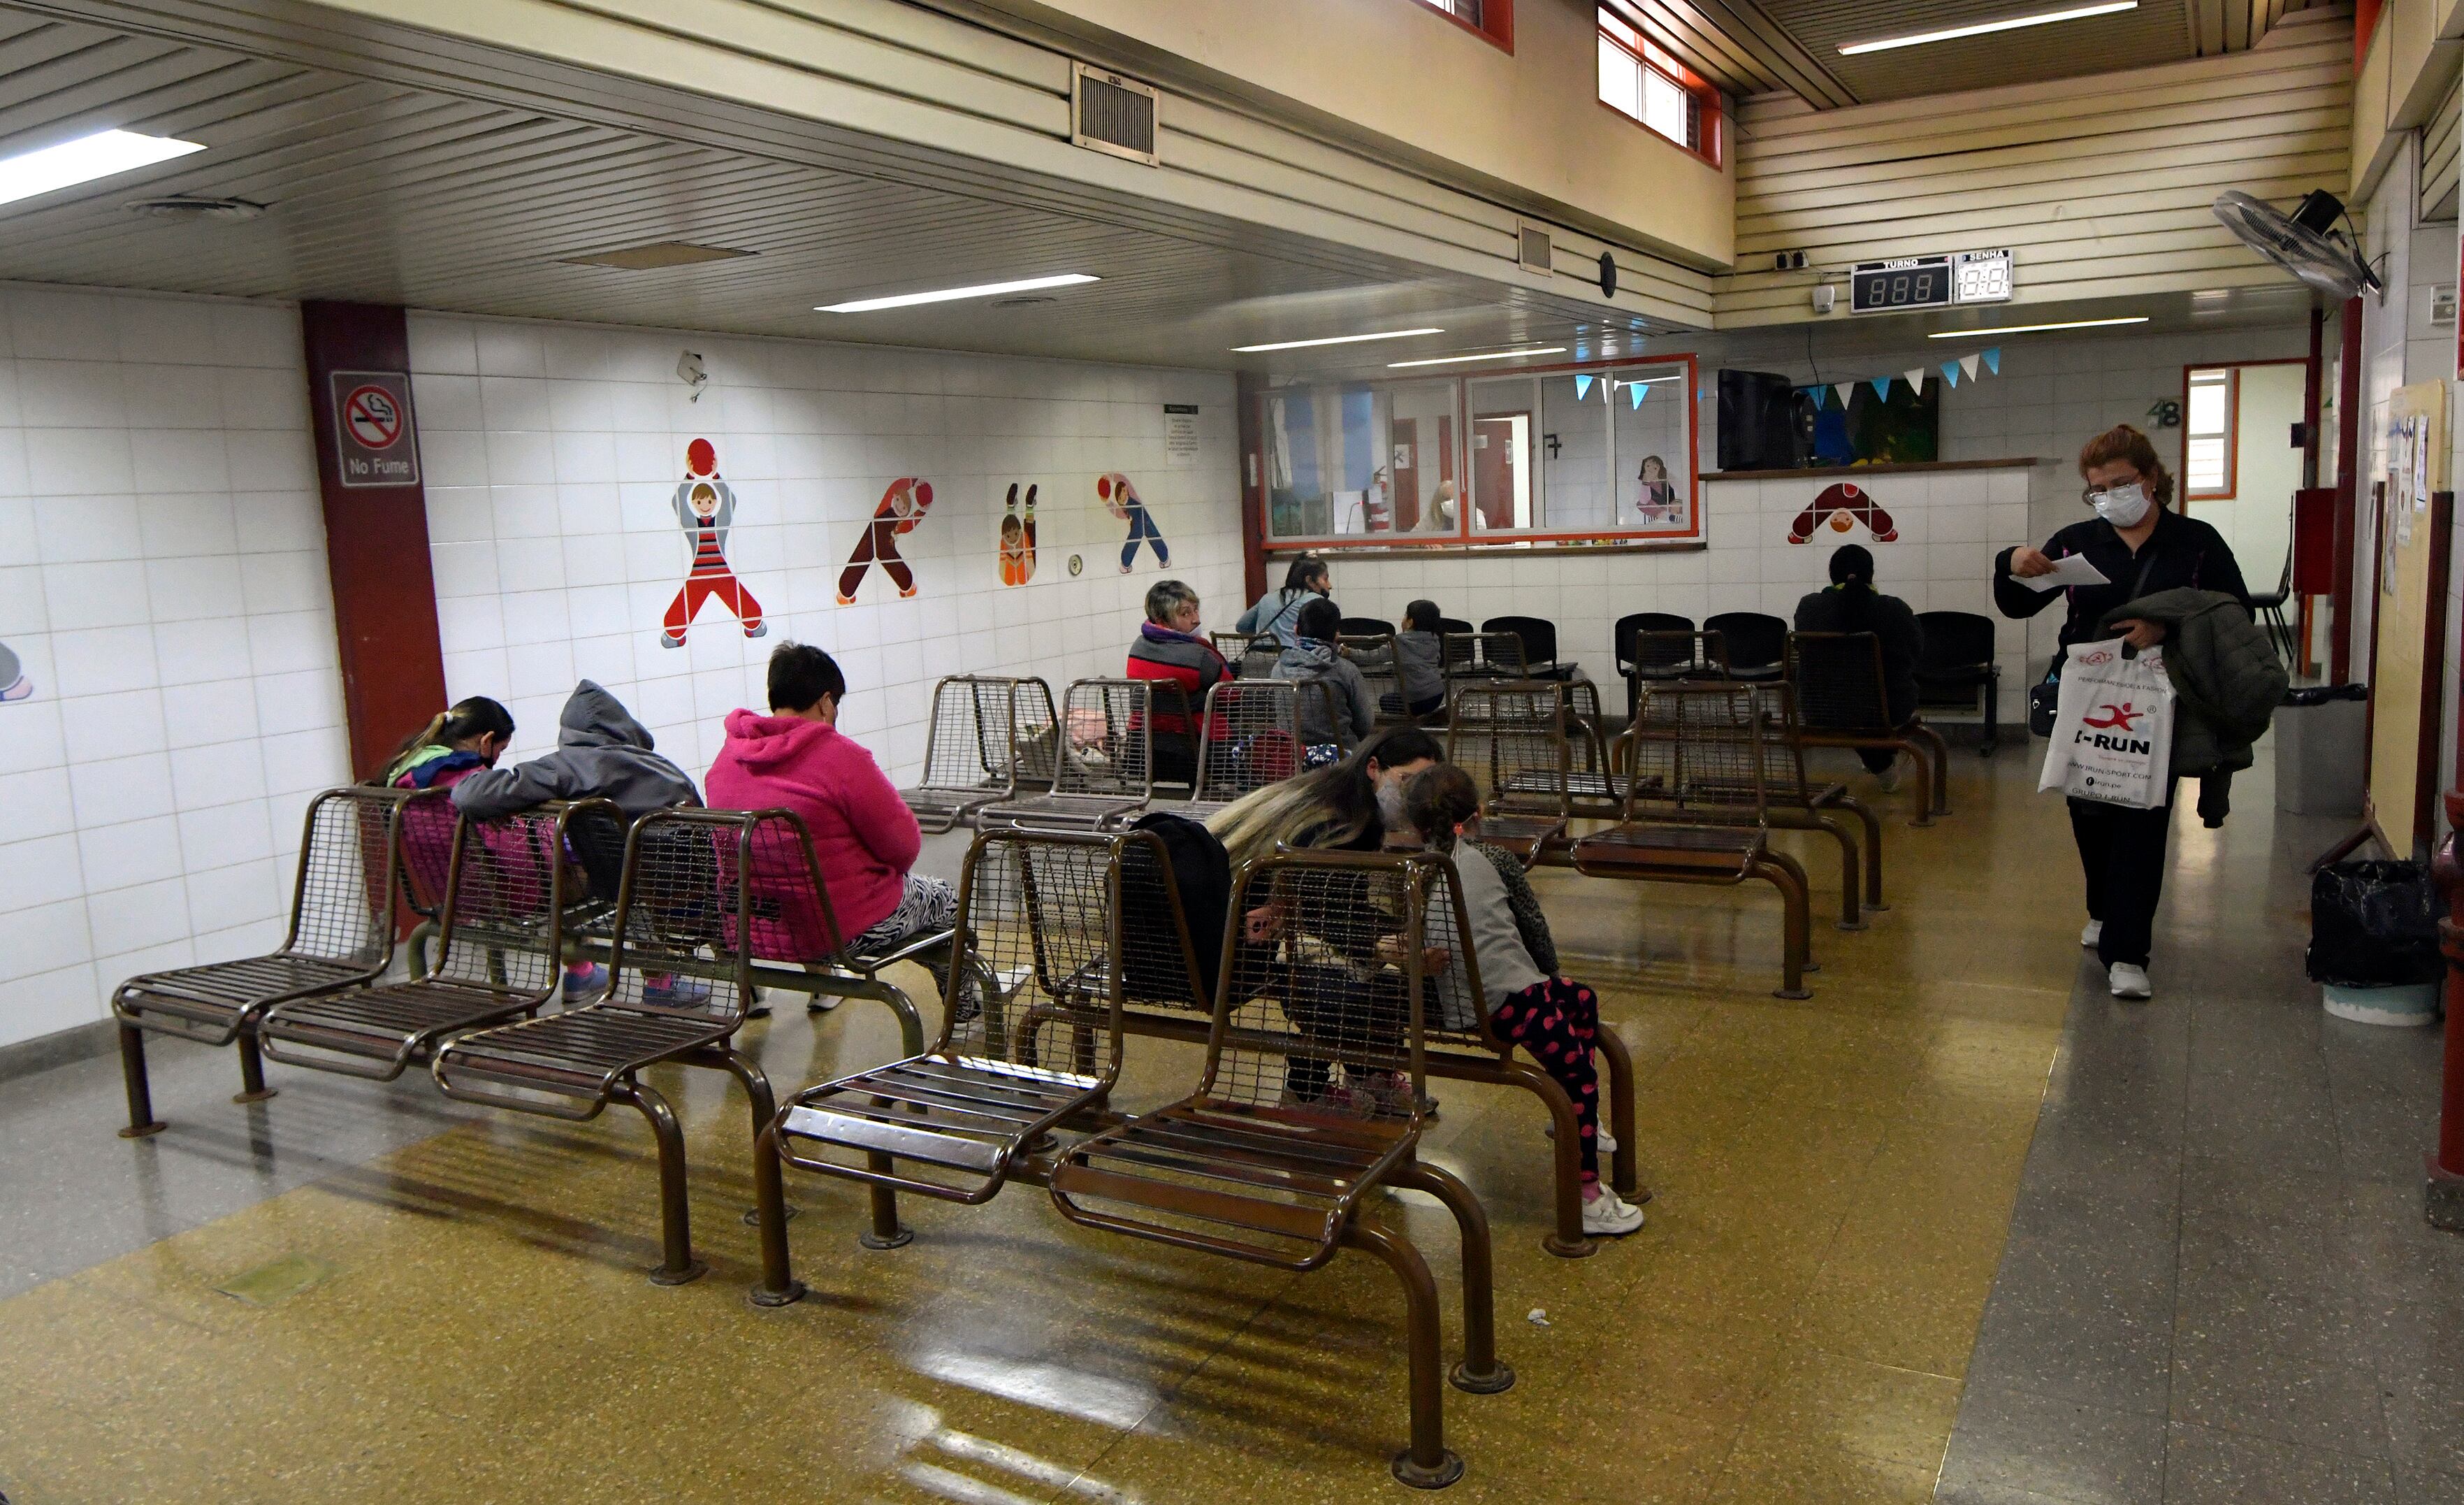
column 1122, row 497
column 14, row 683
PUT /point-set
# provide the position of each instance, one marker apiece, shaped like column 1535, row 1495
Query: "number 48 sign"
column 373, row 437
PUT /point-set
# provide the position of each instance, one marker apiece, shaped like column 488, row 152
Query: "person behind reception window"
column 2141, row 546
column 1852, row 604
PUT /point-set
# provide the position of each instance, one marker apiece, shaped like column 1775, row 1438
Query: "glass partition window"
column 1641, row 81
column 1556, row 455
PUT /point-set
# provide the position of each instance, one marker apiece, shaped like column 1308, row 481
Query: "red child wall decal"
column 705, row 509
column 1843, row 506
column 902, row 506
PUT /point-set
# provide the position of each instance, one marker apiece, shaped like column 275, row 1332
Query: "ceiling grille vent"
column 1113, row 115
column 1536, row 252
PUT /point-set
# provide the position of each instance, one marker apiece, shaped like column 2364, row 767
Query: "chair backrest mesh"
column 680, row 945
column 1034, row 741
column 971, row 746
column 502, row 926
column 428, row 827
column 1697, row 756
column 1838, row 679
column 1104, row 745
column 1253, row 737
column 1372, row 654
column 1755, row 639
column 1327, row 981
column 342, row 906
column 787, row 915
column 1783, row 753
column 1666, row 655
column 1511, row 735
column 1039, row 912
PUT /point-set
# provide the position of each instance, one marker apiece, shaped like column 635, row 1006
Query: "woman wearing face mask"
column 2141, row 546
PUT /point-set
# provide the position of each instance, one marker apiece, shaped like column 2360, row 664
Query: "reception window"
column 1493, row 19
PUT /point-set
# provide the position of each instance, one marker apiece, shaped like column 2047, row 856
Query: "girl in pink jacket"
column 864, row 839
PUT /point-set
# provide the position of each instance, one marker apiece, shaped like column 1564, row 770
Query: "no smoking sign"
column 372, row 429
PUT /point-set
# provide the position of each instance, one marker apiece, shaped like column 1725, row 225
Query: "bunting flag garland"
column 1915, row 376
column 1637, row 391
column 1818, row 392
column 1967, row 365
column 1882, row 387
column 1583, row 387
column 1994, row 360
column 1950, row 372
column 1846, row 390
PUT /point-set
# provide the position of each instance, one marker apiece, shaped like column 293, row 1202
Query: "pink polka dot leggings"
column 1556, row 1021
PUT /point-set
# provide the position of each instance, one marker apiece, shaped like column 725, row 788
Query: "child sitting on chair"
column 1419, row 661
column 1332, row 722
column 1552, row 1018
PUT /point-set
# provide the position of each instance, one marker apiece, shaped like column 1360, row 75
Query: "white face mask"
column 2123, row 506
column 1390, row 803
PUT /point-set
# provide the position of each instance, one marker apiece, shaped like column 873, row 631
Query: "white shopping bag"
column 2113, row 727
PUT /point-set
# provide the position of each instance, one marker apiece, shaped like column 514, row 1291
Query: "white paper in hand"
column 2071, row 569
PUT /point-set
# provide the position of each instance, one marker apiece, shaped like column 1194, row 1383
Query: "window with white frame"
column 2208, row 433
column 1641, row 80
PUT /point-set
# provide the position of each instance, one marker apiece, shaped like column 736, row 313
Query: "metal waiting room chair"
column 1841, row 702
column 1756, row 643
column 1957, row 667
column 1539, row 638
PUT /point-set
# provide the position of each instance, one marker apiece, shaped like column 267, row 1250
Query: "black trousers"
column 2121, row 852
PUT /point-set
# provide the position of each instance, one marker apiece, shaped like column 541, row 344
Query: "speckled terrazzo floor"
column 1834, row 1183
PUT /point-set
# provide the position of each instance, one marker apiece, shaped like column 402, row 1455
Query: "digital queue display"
column 1912, row 283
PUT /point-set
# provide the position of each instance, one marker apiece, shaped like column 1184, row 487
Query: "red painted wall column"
column 375, row 523
column 1250, row 395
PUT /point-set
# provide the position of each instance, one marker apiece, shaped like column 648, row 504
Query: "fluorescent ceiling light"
column 949, row 295
column 1981, row 27
column 2030, row 329
column 1493, row 355
column 1303, row 345
column 84, row 160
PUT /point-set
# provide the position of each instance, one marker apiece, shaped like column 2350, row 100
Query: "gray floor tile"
column 2415, row 1486
column 2087, row 1318
column 2011, row 1440
column 2422, row 1367
column 2204, row 1467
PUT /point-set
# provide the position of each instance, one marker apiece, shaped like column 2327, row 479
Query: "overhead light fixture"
column 1493, row 355
column 1981, row 27
column 2030, row 329
column 951, row 294
column 1303, row 344
column 83, row 160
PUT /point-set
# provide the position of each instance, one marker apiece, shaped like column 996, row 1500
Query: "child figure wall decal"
column 1122, row 497
column 706, row 509
column 14, row 683
column 1017, row 540
column 901, row 508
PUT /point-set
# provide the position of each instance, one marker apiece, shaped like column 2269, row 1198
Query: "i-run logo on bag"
column 2117, row 718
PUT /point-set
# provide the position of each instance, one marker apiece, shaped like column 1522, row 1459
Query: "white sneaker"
column 1603, row 1143
column 2091, row 933
column 2130, row 982
column 1611, row 1215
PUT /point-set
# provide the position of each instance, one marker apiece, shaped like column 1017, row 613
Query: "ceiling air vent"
column 657, row 256
column 1535, row 251
column 1113, row 115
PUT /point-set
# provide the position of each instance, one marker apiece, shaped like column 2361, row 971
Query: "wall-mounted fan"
column 2304, row 242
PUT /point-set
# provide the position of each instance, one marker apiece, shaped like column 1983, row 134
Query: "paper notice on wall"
column 1180, row 434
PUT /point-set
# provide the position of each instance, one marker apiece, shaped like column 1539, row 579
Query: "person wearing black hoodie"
column 1852, row 604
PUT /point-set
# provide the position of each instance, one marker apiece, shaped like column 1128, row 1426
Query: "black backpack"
column 1202, row 873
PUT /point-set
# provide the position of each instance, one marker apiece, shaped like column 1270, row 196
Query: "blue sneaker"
column 585, row 987
column 676, row 992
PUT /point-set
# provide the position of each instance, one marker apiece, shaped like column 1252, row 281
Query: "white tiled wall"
column 162, row 580
column 552, row 452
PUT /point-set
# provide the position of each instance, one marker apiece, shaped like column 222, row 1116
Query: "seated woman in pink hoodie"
column 864, row 839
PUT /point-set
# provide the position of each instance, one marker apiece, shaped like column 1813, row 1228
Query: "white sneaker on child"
column 2091, row 933
column 1611, row 1215
column 2130, row 982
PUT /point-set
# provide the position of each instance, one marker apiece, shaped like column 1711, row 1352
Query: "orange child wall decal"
column 1843, row 506
column 901, row 508
column 1017, row 540
column 705, row 509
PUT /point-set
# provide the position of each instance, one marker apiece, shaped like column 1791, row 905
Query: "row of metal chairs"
column 1957, row 669
column 1311, row 1098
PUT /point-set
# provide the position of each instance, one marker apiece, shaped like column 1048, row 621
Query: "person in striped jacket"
column 1169, row 652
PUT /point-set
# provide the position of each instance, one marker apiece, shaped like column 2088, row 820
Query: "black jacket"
column 1889, row 619
column 2187, row 555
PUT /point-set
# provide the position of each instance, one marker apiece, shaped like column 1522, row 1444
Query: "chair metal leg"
column 1852, row 912
column 1993, row 715
column 252, row 1069
column 1873, row 825
column 1566, row 1166
column 141, row 1091
column 884, row 1232
column 1425, row 1465
column 1941, row 752
column 1781, row 872
column 1479, row 1373
column 779, row 1285
column 422, row 936
column 1625, row 1173
column 677, row 1266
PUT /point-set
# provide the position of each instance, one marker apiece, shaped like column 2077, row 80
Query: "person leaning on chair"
column 2141, row 546
column 1852, row 604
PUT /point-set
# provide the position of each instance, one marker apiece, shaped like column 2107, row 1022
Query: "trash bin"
column 2374, row 942
column 2318, row 735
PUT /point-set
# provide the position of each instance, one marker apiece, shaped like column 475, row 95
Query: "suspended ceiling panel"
column 384, row 193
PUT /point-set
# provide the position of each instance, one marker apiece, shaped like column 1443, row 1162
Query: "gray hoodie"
column 602, row 752
column 1419, row 666
column 1347, row 700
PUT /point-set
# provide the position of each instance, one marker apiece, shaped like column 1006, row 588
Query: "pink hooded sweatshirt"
column 864, row 835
